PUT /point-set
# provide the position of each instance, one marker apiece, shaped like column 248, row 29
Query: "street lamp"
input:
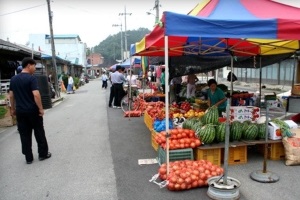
column 116, row 25
column 150, row 13
column 125, row 13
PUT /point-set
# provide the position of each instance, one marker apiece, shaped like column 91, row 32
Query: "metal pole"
column 32, row 50
column 167, row 99
column 157, row 11
column 122, row 51
column 53, row 50
column 125, row 13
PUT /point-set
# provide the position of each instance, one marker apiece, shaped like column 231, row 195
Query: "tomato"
column 181, row 141
column 201, row 182
column 179, row 135
column 214, row 173
column 203, row 176
column 162, row 170
column 177, row 186
column 195, row 172
column 194, row 177
column 188, row 180
column 218, row 171
column 183, row 186
column 193, row 145
column 201, row 169
column 173, row 179
column 194, row 184
column 184, row 135
column 180, row 180
column 183, row 175
column 177, row 172
column 171, row 186
column 207, row 172
column 198, row 142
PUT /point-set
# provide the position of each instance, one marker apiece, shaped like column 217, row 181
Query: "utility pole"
column 125, row 13
column 122, row 51
column 156, row 7
column 53, row 50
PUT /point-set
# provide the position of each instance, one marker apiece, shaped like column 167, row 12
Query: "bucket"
column 296, row 89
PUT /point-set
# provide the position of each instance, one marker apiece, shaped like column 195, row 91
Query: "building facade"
column 68, row 47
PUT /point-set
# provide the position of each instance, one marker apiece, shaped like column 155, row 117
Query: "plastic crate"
column 212, row 155
column 236, row 155
column 275, row 151
column 178, row 154
column 148, row 121
column 153, row 142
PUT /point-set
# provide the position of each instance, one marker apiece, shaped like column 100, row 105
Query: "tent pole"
column 130, row 96
column 260, row 75
column 226, row 149
column 167, row 100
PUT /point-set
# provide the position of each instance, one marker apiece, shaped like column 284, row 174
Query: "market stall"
column 269, row 23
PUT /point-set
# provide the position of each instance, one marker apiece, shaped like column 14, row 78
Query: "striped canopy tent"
column 225, row 27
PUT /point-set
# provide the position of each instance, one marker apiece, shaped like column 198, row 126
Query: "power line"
column 21, row 10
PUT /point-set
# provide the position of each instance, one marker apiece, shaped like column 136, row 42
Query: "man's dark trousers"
column 26, row 123
column 111, row 95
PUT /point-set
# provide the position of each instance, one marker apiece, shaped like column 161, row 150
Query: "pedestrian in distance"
column 26, row 105
column 104, row 79
column 112, row 88
column 70, row 85
column 191, row 84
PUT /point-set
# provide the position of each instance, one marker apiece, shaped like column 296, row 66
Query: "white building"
column 68, row 47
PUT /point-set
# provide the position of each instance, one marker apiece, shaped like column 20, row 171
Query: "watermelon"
column 251, row 132
column 245, row 125
column 235, row 130
column 197, row 125
column 206, row 133
column 261, row 131
column 220, row 132
column 211, row 116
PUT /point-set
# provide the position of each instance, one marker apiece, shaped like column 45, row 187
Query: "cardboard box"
column 296, row 131
column 274, row 131
column 244, row 110
column 291, row 123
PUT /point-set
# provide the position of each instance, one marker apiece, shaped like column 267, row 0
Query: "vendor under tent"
column 255, row 28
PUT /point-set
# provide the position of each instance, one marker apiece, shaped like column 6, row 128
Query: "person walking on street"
column 118, row 86
column 26, row 105
column 104, row 79
column 70, row 85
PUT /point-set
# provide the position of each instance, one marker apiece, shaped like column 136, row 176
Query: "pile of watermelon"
column 209, row 130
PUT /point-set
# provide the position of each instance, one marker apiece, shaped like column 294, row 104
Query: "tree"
column 110, row 48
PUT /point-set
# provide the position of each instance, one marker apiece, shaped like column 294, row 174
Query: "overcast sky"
column 91, row 19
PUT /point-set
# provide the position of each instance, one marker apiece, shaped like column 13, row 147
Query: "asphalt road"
column 95, row 156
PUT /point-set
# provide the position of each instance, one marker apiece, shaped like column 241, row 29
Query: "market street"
column 95, row 153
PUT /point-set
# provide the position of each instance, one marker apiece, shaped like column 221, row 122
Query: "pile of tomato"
column 180, row 139
column 187, row 174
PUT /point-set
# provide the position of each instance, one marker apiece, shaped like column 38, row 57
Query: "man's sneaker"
column 45, row 157
column 114, row 106
column 119, row 107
